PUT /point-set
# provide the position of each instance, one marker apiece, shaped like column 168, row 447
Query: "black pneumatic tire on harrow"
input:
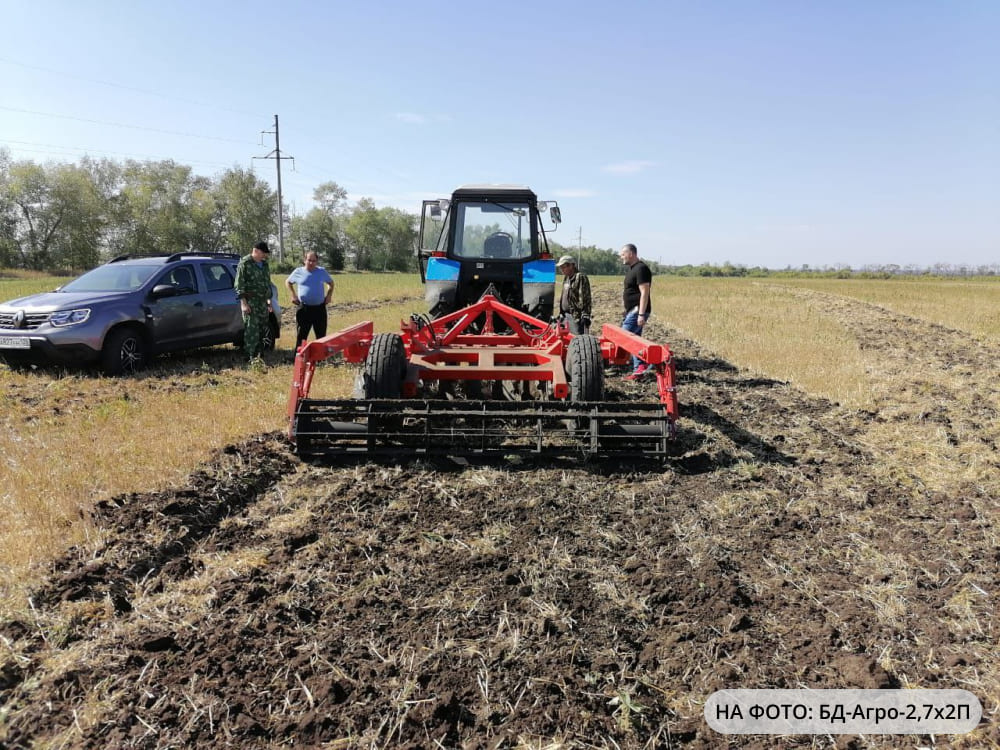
column 385, row 367
column 586, row 377
column 586, row 370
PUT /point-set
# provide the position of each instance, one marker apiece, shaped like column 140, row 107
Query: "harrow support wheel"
column 385, row 367
column 586, row 369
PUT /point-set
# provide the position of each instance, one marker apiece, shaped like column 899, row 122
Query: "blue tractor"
column 488, row 239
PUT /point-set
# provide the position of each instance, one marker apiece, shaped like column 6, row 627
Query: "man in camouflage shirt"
column 574, row 303
column 253, row 287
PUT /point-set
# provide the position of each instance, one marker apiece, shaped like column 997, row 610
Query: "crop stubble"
column 786, row 544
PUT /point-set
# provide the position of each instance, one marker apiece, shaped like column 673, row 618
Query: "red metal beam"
column 666, row 378
column 525, row 328
column 456, row 329
column 617, row 344
column 353, row 342
column 492, row 363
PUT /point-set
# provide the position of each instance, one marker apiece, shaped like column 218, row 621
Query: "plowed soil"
column 268, row 602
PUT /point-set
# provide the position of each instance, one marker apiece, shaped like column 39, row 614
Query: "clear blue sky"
column 763, row 133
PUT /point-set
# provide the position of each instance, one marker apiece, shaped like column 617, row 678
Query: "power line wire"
column 84, row 150
column 124, row 87
column 320, row 138
column 312, row 134
column 125, row 125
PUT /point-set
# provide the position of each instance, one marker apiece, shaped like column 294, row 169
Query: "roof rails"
column 195, row 254
column 171, row 257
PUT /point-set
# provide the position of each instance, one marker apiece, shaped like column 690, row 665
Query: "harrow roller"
column 421, row 427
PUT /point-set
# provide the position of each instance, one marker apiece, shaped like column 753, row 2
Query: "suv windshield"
column 112, row 278
column 493, row 230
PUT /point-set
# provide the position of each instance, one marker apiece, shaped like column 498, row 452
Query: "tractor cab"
column 488, row 238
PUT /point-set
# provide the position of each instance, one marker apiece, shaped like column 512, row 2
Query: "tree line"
column 595, row 261
column 606, row 262
column 70, row 217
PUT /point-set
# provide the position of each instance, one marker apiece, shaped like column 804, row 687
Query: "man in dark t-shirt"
column 637, row 301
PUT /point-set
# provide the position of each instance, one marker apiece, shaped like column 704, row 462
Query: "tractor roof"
column 494, row 190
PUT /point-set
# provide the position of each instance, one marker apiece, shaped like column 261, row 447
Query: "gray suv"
column 128, row 310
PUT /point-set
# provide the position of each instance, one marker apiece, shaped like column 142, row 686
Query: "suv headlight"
column 69, row 317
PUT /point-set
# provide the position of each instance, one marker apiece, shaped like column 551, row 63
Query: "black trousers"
column 306, row 317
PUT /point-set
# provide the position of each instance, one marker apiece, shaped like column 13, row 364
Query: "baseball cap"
column 566, row 259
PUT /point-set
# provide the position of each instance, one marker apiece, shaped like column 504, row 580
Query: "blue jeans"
column 631, row 324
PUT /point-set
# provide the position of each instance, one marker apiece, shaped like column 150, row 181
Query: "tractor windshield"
column 493, row 231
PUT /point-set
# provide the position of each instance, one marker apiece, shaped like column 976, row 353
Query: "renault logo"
column 19, row 317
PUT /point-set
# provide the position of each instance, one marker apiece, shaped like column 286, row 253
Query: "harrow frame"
column 486, row 342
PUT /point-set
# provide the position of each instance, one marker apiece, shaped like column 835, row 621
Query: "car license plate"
column 15, row 342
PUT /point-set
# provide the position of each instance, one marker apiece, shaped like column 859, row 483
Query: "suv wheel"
column 124, row 351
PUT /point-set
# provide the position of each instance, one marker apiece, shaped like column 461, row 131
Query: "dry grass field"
column 174, row 576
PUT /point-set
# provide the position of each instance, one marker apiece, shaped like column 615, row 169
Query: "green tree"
column 399, row 235
column 85, row 218
column 331, row 198
column 154, row 208
column 36, row 214
column 10, row 255
column 245, row 209
column 320, row 232
column 105, row 176
column 381, row 239
column 362, row 232
column 322, row 229
column 53, row 216
column 205, row 230
column 591, row 259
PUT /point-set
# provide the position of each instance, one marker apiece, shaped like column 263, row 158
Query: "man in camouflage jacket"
column 574, row 303
column 253, row 287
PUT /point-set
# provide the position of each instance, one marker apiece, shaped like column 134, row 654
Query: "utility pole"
column 276, row 155
column 579, row 240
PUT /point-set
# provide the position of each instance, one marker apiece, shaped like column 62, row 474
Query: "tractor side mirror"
column 555, row 214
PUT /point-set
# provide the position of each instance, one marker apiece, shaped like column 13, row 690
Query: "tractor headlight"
column 69, row 317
